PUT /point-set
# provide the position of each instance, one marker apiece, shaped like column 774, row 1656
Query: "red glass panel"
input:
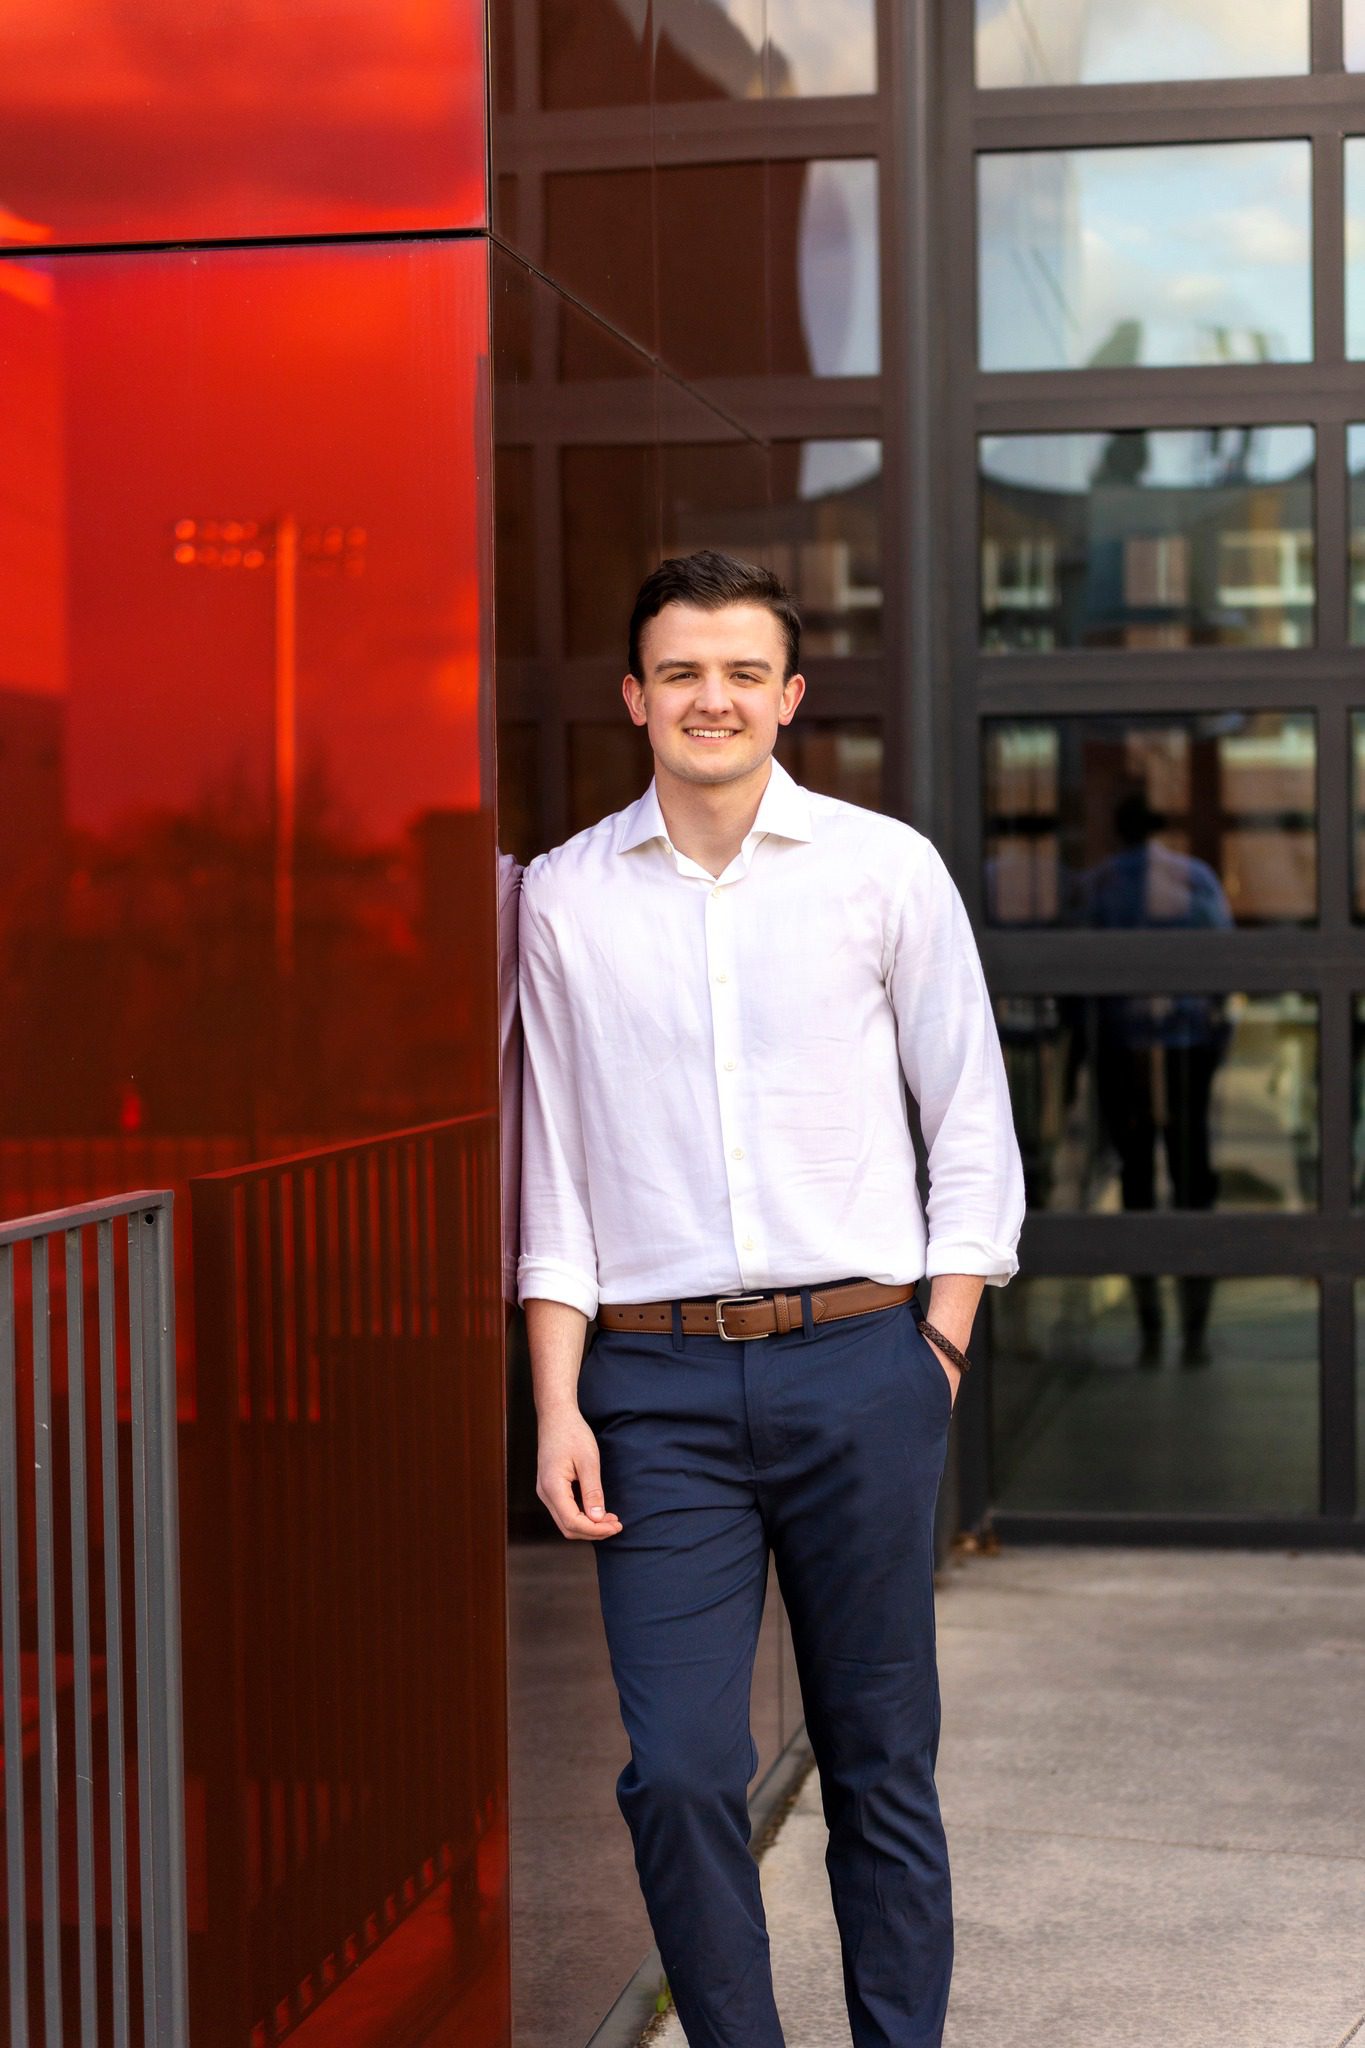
column 238, row 117
column 247, row 909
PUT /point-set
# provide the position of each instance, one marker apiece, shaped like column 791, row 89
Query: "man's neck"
column 709, row 822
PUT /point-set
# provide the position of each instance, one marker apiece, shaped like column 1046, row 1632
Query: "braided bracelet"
column 959, row 1358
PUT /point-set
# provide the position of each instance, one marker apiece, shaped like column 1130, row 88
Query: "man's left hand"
column 954, row 1372
column 953, row 1304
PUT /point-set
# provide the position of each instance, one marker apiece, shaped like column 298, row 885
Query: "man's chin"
column 726, row 765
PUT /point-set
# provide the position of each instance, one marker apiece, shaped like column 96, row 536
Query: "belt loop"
column 677, row 1326
column 807, row 1319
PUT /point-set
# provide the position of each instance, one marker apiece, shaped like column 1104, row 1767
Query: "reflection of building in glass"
column 1119, row 258
column 1118, row 1107
column 1098, row 42
column 1355, row 233
column 1148, row 540
column 1355, row 458
column 1235, row 792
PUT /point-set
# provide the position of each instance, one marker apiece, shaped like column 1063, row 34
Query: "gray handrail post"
column 33, row 1835
column 156, row 1552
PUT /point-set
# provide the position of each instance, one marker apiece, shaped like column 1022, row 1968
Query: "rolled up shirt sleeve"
column 950, row 1055
column 558, row 1259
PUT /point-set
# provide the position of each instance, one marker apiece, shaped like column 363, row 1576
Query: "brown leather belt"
column 740, row 1317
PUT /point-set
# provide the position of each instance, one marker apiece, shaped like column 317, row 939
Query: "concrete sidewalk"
column 1153, row 1777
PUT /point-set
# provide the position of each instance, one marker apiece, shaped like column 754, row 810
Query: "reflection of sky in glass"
column 1104, row 42
column 1197, row 253
column 837, row 465
column 1175, row 459
column 1355, row 237
column 1355, row 37
column 840, row 268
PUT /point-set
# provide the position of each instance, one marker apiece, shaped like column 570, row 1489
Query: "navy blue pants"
column 824, row 1447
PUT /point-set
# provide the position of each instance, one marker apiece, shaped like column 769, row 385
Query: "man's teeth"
column 708, row 732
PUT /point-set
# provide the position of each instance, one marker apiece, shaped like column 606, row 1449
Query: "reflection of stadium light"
column 251, row 544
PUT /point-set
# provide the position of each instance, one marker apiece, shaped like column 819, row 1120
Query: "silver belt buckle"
column 724, row 1301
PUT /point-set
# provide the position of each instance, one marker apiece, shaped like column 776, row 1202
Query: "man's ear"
column 633, row 690
column 793, row 690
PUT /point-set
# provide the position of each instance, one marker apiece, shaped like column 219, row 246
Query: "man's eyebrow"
column 681, row 662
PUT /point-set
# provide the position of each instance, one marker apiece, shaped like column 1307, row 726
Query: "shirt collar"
column 784, row 810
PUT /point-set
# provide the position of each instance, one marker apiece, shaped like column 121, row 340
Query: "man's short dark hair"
column 710, row 581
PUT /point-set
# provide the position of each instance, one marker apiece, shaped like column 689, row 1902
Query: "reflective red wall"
column 247, row 909
column 156, row 121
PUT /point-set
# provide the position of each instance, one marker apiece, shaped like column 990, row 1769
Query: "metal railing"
column 53, row 1751
column 345, row 1710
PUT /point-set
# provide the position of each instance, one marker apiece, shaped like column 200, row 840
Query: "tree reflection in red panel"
column 238, row 117
column 247, row 908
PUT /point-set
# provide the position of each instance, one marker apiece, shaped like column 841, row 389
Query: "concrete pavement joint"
column 991, row 1827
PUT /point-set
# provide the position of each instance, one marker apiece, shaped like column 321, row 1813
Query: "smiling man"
column 726, row 989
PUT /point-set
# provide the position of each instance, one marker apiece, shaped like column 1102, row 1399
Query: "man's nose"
column 713, row 695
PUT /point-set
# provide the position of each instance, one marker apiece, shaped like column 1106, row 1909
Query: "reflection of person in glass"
column 725, row 990
column 1156, row 1055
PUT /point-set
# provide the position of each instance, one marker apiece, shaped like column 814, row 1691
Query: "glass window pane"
column 840, row 267
column 838, row 757
column 706, row 331
column 589, row 57
column 1165, row 1101
column 743, row 49
column 1194, row 253
column 1173, row 539
column 1177, row 821
column 812, row 512
column 1358, row 790
column 715, row 495
column 827, row 541
column 323, row 117
column 826, row 268
column 707, row 49
column 1109, row 42
column 597, row 223
column 610, row 764
column 1358, row 1118
column 1355, row 463
column 1187, row 1395
column 608, row 554
column 1355, row 35
column 802, row 296
column 1355, row 246
column 828, row 47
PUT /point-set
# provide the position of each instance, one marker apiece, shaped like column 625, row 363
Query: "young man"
column 725, row 989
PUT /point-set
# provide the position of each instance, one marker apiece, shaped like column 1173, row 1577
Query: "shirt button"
column 738, row 1152
column 747, row 1245
column 715, row 892
column 722, row 977
column 730, row 1066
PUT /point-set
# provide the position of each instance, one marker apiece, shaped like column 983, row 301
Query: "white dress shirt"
column 716, row 1066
